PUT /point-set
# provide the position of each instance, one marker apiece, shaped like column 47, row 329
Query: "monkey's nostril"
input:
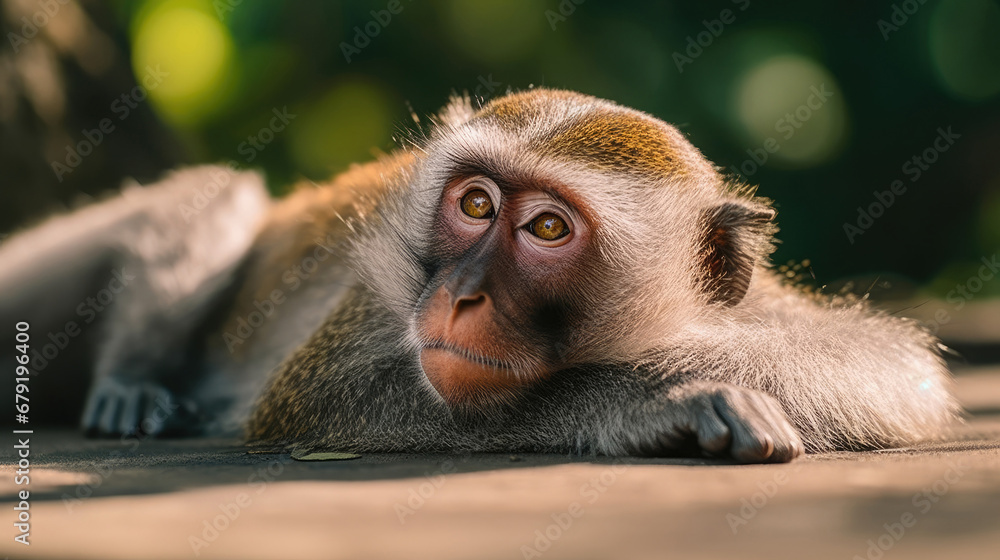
column 465, row 303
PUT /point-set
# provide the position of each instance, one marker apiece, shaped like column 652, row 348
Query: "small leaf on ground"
column 309, row 455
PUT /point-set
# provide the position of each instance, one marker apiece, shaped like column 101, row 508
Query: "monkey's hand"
column 117, row 407
column 722, row 420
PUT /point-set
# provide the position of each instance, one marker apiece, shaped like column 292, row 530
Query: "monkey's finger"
column 751, row 442
column 157, row 407
column 92, row 414
column 787, row 443
column 128, row 424
column 108, row 423
column 714, row 436
column 789, row 448
column 767, row 416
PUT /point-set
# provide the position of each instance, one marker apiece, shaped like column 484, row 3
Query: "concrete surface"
column 160, row 499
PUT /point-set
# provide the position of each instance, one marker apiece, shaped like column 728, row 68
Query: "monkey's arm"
column 838, row 375
column 848, row 377
column 845, row 377
column 348, row 389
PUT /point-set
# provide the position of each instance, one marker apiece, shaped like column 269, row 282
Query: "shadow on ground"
column 150, row 466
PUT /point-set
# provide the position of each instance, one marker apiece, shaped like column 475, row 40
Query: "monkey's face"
column 493, row 318
column 549, row 230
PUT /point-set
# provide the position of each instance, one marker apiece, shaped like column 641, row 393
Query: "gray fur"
column 664, row 359
column 167, row 252
column 657, row 362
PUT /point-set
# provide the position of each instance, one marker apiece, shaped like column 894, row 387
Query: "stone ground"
column 160, row 499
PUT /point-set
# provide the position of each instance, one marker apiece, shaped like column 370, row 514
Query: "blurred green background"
column 839, row 97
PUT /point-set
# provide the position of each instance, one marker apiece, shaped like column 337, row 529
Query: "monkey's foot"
column 728, row 421
column 117, row 407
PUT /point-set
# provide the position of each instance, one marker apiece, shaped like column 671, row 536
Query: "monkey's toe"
column 117, row 407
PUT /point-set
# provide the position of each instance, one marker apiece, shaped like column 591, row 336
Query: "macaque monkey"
column 550, row 272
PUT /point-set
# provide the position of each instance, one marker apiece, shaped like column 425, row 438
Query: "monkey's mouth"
column 468, row 355
column 463, row 377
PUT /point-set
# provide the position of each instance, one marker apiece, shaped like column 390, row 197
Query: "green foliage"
column 732, row 74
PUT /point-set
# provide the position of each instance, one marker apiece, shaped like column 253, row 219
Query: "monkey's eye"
column 477, row 204
column 548, row 227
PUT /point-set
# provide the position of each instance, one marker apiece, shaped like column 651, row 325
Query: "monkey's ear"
column 737, row 233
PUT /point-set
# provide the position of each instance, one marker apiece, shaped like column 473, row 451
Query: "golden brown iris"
column 549, row 227
column 477, row 204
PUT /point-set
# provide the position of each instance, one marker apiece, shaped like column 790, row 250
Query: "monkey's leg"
column 145, row 268
column 150, row 362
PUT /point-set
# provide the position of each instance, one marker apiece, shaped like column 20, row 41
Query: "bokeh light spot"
column 194, row 51
column 792, row 103
column 343, row 126
column 965, row 47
